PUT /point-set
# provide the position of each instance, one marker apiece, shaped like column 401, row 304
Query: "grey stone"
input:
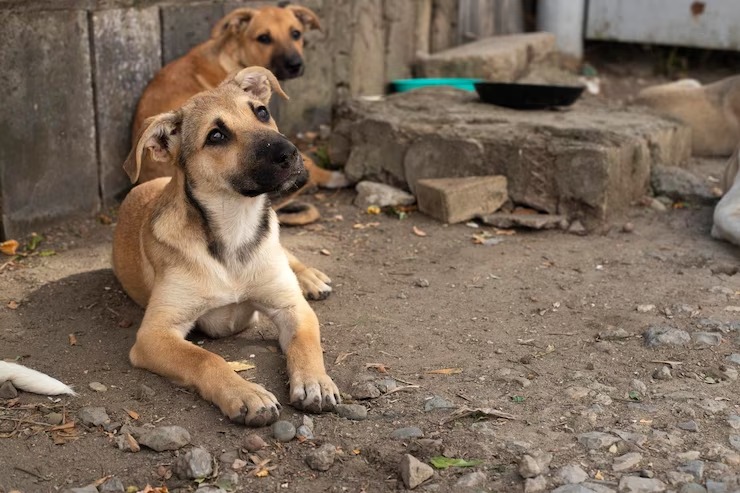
column 662, row 373
column 594, row 440
column 303, row 432
column 165, row 438
column 626, row 462
column 196, row 463
column 407, row 433
column 535, row 485
column 695, row 468
column 85, row 489
column 354, row 412
column 322, row 458
column 735, row 441
column 572, row 488
column 527, row 221
column 254, row 442
column 145, row 393
column 210, row 488
column 483, row 428
column 228, row 480
column 633, row 484
column 614, row 334
column 571, row 474
column 127, row 55
column 283, row 431
column 113, row 485
column 576, row 393
column 460, row 199
column 414, row 472
column 712, row 405
column 111, row 427
column 386, row 385
column 734, row 358
column 471, row 480
column 51, row 140
column 372, row 193
column 227, row 458
column 438, row 403
column 597, row 487
column 577, row 228
column 680, row 185
column 8, row 391
column 55, row 418
column 707, row 338
column 365, row 390
column 126, row 442
column 689, row 426
column 718, row 487
column 421, row 283
column 93, row 416
column 692, row 488
column 734, row 422
column 307, row 421
column 98, row 387
column 666, row 336
column 639, row 386
column 528, row 467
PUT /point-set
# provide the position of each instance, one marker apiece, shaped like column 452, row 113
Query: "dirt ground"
column 527, row 322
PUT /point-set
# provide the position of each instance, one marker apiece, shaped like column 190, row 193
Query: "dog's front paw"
column 314, row 394
column 248, row 404
column 314, row 284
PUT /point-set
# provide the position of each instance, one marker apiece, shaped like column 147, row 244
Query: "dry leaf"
column 12, row 304
column 373, row 209
column 485, row 412
column 366, row 225
column 9, row 247
column 505, row 232
column 418, row 232
column 104, row 219
column 446, row 371
column 241, row 365
column 262, row 473
column 356, row 451
column 134, row 415
column 72, row 340
column 65, row 426
column 101, row 481
column 599, row 476
column 342, row 357
column 380, row 367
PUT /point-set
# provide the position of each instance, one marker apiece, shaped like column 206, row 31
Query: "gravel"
column 283, row 431
column 322, row 458
column 93, row 416
column 354, row 412
column 165, row 438
column 196, row 463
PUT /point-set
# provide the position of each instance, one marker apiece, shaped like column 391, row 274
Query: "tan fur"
column 712, row 111
column 163, row 256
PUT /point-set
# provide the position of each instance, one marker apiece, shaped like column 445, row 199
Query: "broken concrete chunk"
column 505, row 220
column 371, row 193
column 454, row 200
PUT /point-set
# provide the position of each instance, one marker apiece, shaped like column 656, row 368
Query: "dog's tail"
column 31, row 380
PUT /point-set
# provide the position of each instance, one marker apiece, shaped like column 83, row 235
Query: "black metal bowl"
column 527, row 96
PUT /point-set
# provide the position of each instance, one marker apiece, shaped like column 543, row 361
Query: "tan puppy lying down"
column 203, row 248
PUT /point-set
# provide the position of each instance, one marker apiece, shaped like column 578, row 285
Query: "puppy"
column 270, row 37
column 712, row 111
column 202, row 248
column 727, row 212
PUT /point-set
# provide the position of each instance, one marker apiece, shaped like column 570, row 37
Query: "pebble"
column 407, row 433
column 8, row 391
column 304, row 433
column 365, row 390
column 645, row 308
column 639, row 386
column 535, row 485
column 633, row 484
column 657, row 205
column 734, row 422
column 577, row 228
column 386, row 385
column 735, row 441
column 127, row 443
column 628, row 227
column 471, row 480
column 93, row 416
column 657, row 336
column 483, row 428
column 531, row 465
column 729, row 373
column 571, row 474
column 98, row 387
column 227, row 458
column 254, row 442
column 689, row 426
column 414, row 472
column 675, row 478
column 228, row 480
column 596, row 440
column 421, row 283
column 322, row 458
column 573, row 488
column 613, row 334
column 576, row 393
column 692, row 488
column 373, row 193
column 307, row 421
column 113, row 485
column 436, row 403
column 54, row 418
column 693, row 467
column 165, row 438
column 711, row 405
column 145, row 393
column 196, row 463
column 354, row 412
column 707, row 338
column 662, row 373
column 626, row 462
column 85, row 489
column 210, row 488
column 283, row 431
column 734, row 358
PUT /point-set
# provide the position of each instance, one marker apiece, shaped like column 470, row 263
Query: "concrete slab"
column 454, row 200
column 127, row 56
column 184, row 26
column 589, row 162
column 48, row 165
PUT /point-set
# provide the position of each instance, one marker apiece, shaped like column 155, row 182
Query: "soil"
column 534, row 304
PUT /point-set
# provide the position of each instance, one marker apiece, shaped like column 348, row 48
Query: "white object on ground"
column 29, row 380
column 727, row 212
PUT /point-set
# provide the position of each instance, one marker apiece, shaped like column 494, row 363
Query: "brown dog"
column 270, row 37
column 202, row 248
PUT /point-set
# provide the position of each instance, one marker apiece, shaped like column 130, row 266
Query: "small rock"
column 165, row 438
column 645, row 308
column 628, row 227
column 365, row 390
column 535, row 485
column 145, row 393
column 98, row 387
column 728, row 373
column 127, row 443
column 695, row 468
column 425, row 447
column 483, row 428
column 386, row 385
column 571, row 474
column 734, row 358
column 436, row 403
column 111, row 427
column 227, row 458
column 471, row 480
column 689, row 426
column 657, row 205
column 711, row 405
column 8, row 391
column 639, row 386
column 595, row 440
column 680, row 184
column 283, row 431
column 354, row 412
column 626, row 462
column 414, row 472
column 307, row 421
column 372, row 193
column 734, row 422
column 576, row 488
column 576, row 393
column 507, row 220
column 528, row 467
column 210, row 488
column 113, row 485
column 322, row 458
column 196, row 463
column 676, row 478
column 54, row 418
column 662, row 373
column 726, row 269
column 633, row 484
column 735, row 441
column 254, row 442
column 614, row 334
column 692, row 488
column 407, row 433
column 303, row 433
column 666, row 336
column 238, row 464
column 93, row 416
column 85, row 489
column 707, row 338
column 421, row 283
column 228, row 480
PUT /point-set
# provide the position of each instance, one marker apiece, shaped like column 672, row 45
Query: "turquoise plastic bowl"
column 403, row 85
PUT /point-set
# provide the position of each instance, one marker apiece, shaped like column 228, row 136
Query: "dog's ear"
column 233, row 22
column 161, row 136
column 307, row 16
column 259, row 82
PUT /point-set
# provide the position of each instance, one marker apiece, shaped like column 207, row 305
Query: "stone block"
column 127, row 56
column 498, row 58
column 367, row 52
column 184, row 26
column 587, row 163
column 454, row 200
column 48, row 165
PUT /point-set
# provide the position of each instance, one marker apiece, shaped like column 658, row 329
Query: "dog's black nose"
column 284, row 154
column 293, row 64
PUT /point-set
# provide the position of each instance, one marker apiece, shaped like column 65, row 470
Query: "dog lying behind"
column 270, row 37
column 712, row 111
column 29, row 380
column 202, row 248
column 727, row 212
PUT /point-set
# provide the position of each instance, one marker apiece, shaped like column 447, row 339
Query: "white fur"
column 29, row 380
column 337, row 180
column 727, row 212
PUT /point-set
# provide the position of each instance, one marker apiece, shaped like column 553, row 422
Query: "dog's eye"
column 262, row 114
column 265, row 39
column 215, row 137
column 295, row 34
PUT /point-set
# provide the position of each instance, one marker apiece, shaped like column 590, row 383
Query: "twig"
column 23, row 420
column 401, row 389
column 34, row 474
